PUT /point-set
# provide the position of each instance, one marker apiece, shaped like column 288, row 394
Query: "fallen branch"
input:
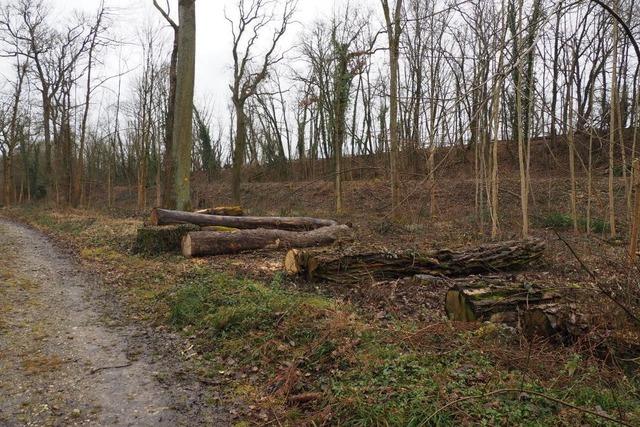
column 126, row 365
column 602, row 289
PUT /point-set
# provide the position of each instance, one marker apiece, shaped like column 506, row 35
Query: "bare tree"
column 248, row 71
column 394, row 31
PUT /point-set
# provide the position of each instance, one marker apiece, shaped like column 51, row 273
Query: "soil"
column 68, row 355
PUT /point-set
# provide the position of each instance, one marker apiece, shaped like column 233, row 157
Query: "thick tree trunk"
column 168, row 217
column 183, row 119
column 203, row 243
column 353, row 266
column 222, row 210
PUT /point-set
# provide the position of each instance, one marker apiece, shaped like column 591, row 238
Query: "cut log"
column 203, row 243
column 169, row 217
column 355, row 266
column 535, row 310
column 153, row 240
column 222, row 210
column 492, row 299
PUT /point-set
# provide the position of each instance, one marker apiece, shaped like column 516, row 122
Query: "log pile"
column 225, row 230
column 170, row 217
column 356, row 266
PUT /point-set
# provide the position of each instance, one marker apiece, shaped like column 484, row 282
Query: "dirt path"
column 66, row 358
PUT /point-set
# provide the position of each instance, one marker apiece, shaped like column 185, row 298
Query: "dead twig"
column 126, row 365
column 604, row 291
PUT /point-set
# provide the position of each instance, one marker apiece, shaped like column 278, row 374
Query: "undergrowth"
column 268, row 344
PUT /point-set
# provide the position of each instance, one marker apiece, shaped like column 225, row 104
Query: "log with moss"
column 154, row 240
column 169, row 217
column 534, row 309
column 203, row 243
column 351, row 265
column 493, row 299
column 222, row 210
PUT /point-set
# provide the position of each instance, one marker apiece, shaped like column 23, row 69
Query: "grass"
column 266, row 342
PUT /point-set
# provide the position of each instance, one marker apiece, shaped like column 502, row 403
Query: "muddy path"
column 69, row 357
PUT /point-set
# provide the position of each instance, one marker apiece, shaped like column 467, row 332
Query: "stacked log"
column 202, row 243
column 171, row 217
column 356, row 266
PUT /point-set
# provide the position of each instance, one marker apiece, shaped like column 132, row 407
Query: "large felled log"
column 168, row 217
column 202, row 243
column 222, row 210
column 353, row 266
column 154, row 240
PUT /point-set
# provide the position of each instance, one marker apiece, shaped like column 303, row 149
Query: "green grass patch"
column 563, row 221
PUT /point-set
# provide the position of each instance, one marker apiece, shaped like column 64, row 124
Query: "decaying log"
column 222, row 210
column 537, row 311
column 154, row 240
column 354, row 266
column 169, row 217
column 492, row 299
column 203, row 243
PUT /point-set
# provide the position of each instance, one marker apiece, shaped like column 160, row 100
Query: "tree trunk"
column 183, row 119
column 635, row 222
column 168, row 217
column 168, row 196
column 238, row 151
column 612, row 126
column 355, row 266
column 203, row 243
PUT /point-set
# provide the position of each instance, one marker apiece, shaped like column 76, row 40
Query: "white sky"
column 213, row 49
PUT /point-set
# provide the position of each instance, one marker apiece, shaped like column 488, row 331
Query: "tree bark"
column 537, row 311
column 493, row 299
column 222, row 210
column 183, row 119
column 203, row 243
column 169, row 217
column 350, row 266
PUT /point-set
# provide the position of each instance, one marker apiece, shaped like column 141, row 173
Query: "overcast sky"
column 213, row 59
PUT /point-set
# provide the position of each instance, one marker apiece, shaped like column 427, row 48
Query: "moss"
column 154, row 240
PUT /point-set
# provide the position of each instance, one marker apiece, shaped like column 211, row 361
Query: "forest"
column 286, row 212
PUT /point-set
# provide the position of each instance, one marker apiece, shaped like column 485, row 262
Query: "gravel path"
column 67, row 358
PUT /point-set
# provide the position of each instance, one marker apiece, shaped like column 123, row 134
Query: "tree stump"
column 154, row 240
